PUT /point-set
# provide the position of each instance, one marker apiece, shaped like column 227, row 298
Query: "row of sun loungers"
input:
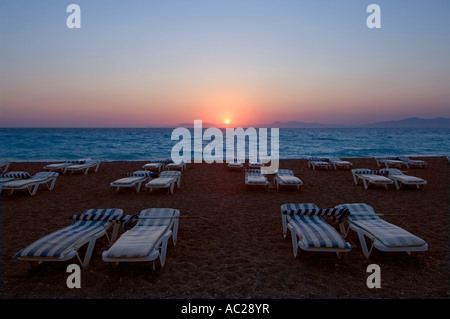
column 328, row 162
column 14, row 181
column 386, row 177
column 165, row 180
column 74, row 166
column 147, row 240
column 399, row 162
column 282, row 178
column 310, row 232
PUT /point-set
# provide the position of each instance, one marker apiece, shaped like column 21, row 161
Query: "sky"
column 160, row 63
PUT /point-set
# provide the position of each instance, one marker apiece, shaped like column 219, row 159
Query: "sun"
column 227, row 121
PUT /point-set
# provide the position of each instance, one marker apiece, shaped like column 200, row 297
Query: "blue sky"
column 144, row 63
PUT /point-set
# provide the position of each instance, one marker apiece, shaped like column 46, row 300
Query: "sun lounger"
column 256, row 179
column 383, row 235
column 339, row 163
column 32, row 183
column 319, row 162
column 4, row 165
column 148, row 239
column 173, row 174
column 286, row 178
column 162, row 182
column 390, row 161
column 413, row 163
column 176, row 166
column 255, row 164
column 236, row 164
column 133, row 180
column 84, row 166
column 400, row 179
column 63, row 244
column 310, row 232
column 371, row 177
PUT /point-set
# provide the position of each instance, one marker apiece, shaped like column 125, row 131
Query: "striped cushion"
column 17, row 174
column 142, row 174
column 359, row 211
column 160, row 181
column 141, row 240
column 288, row 179
column 363, row 216
column 334, row 213
column 128, row 180
column 255, row 178
column 315, row 232
column 389, row 234
column 285, row 172
column 63, row 241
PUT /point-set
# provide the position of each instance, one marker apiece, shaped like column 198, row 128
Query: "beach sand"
column 230, row 245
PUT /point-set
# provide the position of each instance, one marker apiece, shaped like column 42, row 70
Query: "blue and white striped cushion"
column 389, row 234
column 63, row 241
column 311, row 210
column 364, row 216
column 142, row 174
column 316, row 232
column 141, row 240
column 17, row 174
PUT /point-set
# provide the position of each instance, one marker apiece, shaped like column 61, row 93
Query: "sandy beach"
column 230, row 243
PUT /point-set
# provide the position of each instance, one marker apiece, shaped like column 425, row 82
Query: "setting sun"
column 227, row 121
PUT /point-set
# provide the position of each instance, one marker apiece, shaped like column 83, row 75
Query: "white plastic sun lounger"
column 319, row 162
column 172, row 174
column 148, row 239
column 410, row 163
column 400, row 179
column 371, row 177
column 286, row 178
column 390, row 161
column 84, row 167
column 310, row 232
column 383, row 235
column 134, row 180
column 176, row 166
column 153, row 166
column 339, row 163
column 11, row 176
column 63, row 244
column 162, row 182
column 256, row 179
column 32, row 183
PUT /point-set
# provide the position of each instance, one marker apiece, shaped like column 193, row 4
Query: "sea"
column 145, row 144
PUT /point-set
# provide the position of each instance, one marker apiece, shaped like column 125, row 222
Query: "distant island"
column 412, row 122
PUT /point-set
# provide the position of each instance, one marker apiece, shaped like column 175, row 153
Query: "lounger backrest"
column 157, row 217
column 359, row 211
column 17, row 174
column 308, row 210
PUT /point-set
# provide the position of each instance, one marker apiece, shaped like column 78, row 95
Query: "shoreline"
column 231, row 246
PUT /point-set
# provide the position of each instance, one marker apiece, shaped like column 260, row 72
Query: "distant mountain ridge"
column 412, row 122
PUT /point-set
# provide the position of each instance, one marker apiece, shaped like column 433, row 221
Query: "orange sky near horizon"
column 159, row 64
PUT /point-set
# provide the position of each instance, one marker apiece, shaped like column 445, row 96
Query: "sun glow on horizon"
column 227, row 121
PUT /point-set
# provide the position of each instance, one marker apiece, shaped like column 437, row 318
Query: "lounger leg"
column 162, row 253
column 362, row 240
column 294, row 241
column 284, row 223
column 33, row 189
column 90, row 249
